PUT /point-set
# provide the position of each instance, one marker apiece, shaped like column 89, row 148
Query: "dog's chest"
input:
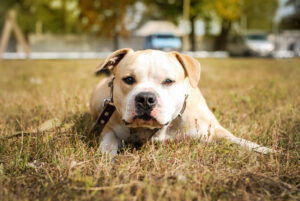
column 134, row 136
column 139, row 136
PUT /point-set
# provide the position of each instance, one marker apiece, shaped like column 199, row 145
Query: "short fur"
column 150, row 68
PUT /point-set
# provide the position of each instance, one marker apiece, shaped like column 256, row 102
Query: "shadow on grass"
column 81, row 125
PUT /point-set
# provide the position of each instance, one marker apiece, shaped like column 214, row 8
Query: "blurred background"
column 202, row 28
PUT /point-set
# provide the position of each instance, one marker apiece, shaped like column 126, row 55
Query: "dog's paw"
column 111, row 153
column 265, row 150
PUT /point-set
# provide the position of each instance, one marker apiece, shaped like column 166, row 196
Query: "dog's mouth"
column 143, row 121
column 145, row 117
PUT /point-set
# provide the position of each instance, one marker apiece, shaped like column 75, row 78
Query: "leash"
column 109, row 109
column 105, row 115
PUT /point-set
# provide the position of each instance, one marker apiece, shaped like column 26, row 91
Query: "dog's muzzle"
column 144, row 104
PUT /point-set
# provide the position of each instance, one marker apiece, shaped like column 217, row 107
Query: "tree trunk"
column 192, row 34
column 116, row 41
column 221, row 40
column 64, row 17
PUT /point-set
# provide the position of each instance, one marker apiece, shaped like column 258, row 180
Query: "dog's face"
column 149, row 89
column 149, row 86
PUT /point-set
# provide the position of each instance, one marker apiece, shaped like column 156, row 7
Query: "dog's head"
column 150, row 85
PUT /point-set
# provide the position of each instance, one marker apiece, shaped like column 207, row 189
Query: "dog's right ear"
column 112, row 60
column 191, row 66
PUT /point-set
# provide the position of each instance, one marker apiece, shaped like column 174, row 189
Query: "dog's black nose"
column 145, row 102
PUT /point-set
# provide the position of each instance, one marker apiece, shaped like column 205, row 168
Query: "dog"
column 156, row 97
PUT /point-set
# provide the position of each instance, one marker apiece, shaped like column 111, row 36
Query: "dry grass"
column 257, row 99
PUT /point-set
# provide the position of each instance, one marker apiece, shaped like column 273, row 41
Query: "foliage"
column 292, row 21
column 260, row 16
column 105, row 17
column 228, row 9
column 159, row 9
column 257, row 99
column 55, row 16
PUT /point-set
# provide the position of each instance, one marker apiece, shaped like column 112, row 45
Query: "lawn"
column 257, row 99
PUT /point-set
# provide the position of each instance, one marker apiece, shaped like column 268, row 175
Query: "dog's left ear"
column 191, row 66
column 112, row 60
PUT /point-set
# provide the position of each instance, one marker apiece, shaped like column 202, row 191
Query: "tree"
column 52, row 14
column 292, row 21
column 259, row 16
column 105, row 17
column 228, row 11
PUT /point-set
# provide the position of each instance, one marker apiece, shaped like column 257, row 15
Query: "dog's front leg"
column 221, row 132
column 161, row 135
column 109, row 144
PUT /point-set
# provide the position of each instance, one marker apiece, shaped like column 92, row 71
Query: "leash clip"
column 107, row 101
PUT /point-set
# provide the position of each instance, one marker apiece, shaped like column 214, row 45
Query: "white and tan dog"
column 151, row 89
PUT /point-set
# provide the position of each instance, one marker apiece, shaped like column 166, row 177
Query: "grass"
column 257, row 99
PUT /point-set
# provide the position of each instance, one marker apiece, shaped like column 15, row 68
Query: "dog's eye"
column 168, row 81
column 129, row 80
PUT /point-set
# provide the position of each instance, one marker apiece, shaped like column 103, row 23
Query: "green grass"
column 257, row 99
